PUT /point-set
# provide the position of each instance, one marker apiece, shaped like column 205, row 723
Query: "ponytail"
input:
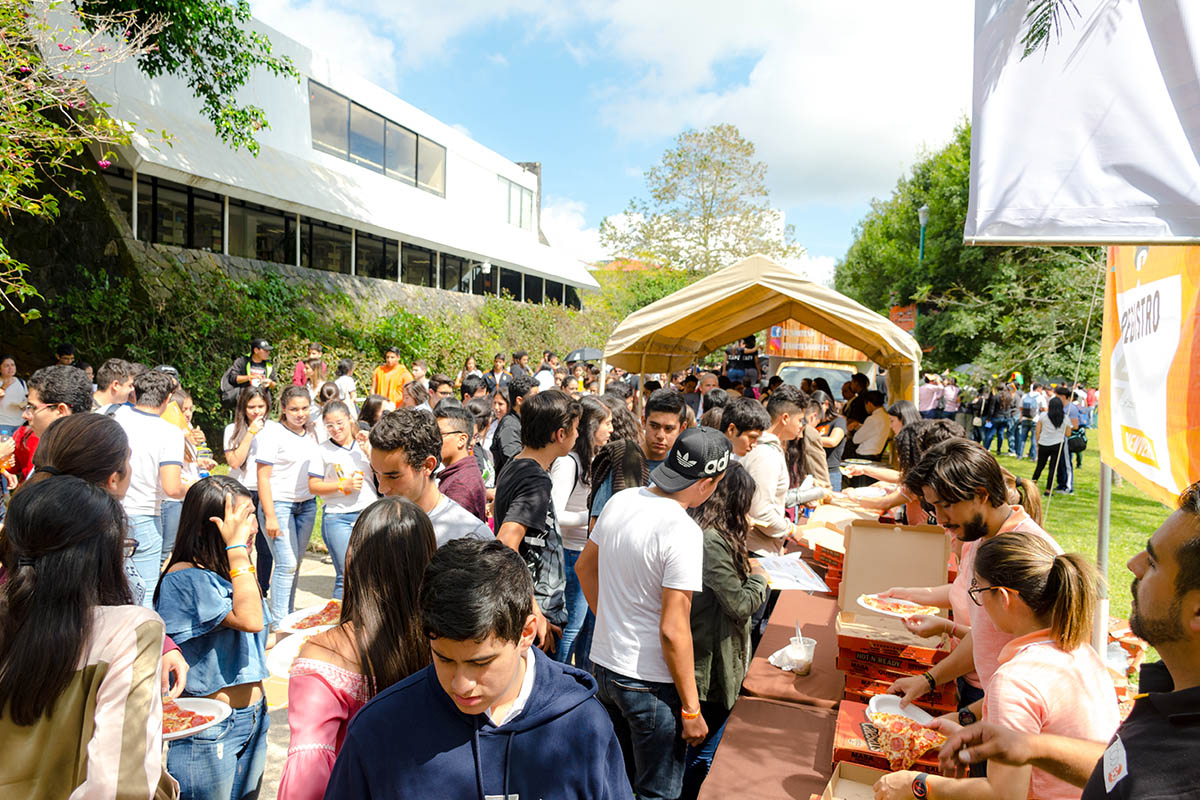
column 1060, row 589
column 1024, row 493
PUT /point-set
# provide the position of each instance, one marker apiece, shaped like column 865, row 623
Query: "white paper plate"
column 288, row 623
column 200, row 705
column 890, row 704
column 917, row 608
column 281, row 656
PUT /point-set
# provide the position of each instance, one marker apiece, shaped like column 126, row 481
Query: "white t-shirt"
column 153, row 443
column 289, row 455
column 12, row 405
column 247, row 474
column 347, row 388
column 452, row 521
column 1050, row 434
column 647, row 543
column 342, row 462
column 545, row 379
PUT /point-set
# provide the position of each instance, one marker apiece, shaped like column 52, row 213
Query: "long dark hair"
column 904, row 411
column 88, row 446
column 372, row 409
column 594, row 413
column 199, row 539
column 63, row 551
column 625, row 425
column 240, row 423
column 391, row 544
column 727, row 512
column 1055, row 412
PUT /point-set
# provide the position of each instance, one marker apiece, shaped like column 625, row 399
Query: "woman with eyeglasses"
column 1049, row 680
column 378, row 641
column 80, row 711
column 211, row 604
column 341, row 475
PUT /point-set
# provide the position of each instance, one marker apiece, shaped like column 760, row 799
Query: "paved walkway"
column 316, row 587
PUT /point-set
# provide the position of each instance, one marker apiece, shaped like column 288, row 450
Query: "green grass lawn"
column 1073, row 519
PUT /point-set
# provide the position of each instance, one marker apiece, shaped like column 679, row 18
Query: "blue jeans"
column 577, row 608
column 835, row 478
column 147, row 561
column 999, row 426
column 169, row 514
column 287, row 549
column 335, row 530
column 1024, row 431
column 699, row 759
column 583, row 642
column 225, row 762
column 645, row 716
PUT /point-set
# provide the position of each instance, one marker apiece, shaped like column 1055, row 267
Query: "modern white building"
column 349, row 178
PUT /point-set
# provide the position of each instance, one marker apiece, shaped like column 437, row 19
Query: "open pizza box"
column 878, row 557
column 851, row 782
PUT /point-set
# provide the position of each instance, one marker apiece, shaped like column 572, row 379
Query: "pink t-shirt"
column 960, row 603
column 1040, row 688
column 986, row 638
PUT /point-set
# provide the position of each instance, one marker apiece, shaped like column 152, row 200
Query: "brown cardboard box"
column 941, row 701
column 851, row 782
column 887, row 637
column 854, row 740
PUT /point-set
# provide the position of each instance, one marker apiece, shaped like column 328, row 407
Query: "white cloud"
column 498, row 59
column 564, row 222
column 818, row 269
column 344, row 36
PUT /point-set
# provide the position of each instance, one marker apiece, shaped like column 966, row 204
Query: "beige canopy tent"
column 745, row 298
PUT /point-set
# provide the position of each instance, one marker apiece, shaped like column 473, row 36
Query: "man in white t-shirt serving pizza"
column 638, row 571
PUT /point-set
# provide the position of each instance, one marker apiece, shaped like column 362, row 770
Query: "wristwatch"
column 966, row 717
column 919, row 789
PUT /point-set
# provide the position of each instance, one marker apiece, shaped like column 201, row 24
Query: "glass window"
column 510, row 283
column 256, row 232
column 554, row 292
column 416, row 265
column 120, row 183
column 366, row 138
column 572, row 298
column 527, row 209
column 330, row 247
column 455, row 275
column 145, row 229
column 374, row 257
column 431, row 166
column 401, row 153
column 482, row 283
column 208, row 221
column 171, row 215
column 533, row 289
column 329, row 113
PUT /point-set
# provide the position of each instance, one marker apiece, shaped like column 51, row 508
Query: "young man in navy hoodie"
column 492, row 716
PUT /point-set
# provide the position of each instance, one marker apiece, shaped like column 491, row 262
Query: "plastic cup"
column 800, row 651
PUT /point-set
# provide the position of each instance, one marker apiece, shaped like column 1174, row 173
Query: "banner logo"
column 1139, row 446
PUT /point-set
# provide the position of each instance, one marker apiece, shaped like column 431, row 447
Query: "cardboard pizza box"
column 878, row 557
column 855, row 740
column 941, row 701
column 851, row 782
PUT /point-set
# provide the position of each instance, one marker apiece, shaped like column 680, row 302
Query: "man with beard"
column 1153, row 753
column 963, row 484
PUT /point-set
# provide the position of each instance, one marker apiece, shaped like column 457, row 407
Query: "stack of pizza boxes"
column 875, row 649
column 827, row 544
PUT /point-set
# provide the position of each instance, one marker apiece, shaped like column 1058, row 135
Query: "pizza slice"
column 895, row 606
column 177, row 719
column 331, row 614
column 902, row 740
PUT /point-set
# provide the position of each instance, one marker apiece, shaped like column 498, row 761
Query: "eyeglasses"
column 974, row 591
column 129, row 547
column 30, row 408
column 454, row 433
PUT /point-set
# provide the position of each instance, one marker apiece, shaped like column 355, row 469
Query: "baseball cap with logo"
column 698, row 453
column 260, row 344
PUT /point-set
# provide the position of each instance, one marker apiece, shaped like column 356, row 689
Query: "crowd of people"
column 548, row 580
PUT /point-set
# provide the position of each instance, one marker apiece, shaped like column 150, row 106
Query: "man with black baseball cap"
column 638, row 571
column 255, row 369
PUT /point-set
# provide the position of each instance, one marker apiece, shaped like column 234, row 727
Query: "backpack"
column 1029, row 406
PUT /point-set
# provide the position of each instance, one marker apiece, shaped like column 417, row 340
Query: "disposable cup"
column 800, row 650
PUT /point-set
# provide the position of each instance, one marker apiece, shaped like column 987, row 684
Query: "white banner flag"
column 1094, row 139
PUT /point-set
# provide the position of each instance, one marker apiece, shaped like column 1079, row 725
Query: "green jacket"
column 721, row 623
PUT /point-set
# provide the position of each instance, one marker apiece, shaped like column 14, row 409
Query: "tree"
column 1003, row 308
column 206, row 42
column 707, row 207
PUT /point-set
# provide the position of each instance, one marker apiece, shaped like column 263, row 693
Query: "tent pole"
column 603, row 374
column 1100, row 626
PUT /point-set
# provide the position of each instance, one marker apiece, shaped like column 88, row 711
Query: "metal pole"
column 133, row 216
column 1100, row 626
column 921, row 253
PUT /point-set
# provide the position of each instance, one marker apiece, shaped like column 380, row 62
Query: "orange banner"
column 793, row 340
column 1150, row 368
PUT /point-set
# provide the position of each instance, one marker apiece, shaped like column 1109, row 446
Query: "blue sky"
column 839, row 98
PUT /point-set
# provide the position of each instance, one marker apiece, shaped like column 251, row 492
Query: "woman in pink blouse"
column 377, row 643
